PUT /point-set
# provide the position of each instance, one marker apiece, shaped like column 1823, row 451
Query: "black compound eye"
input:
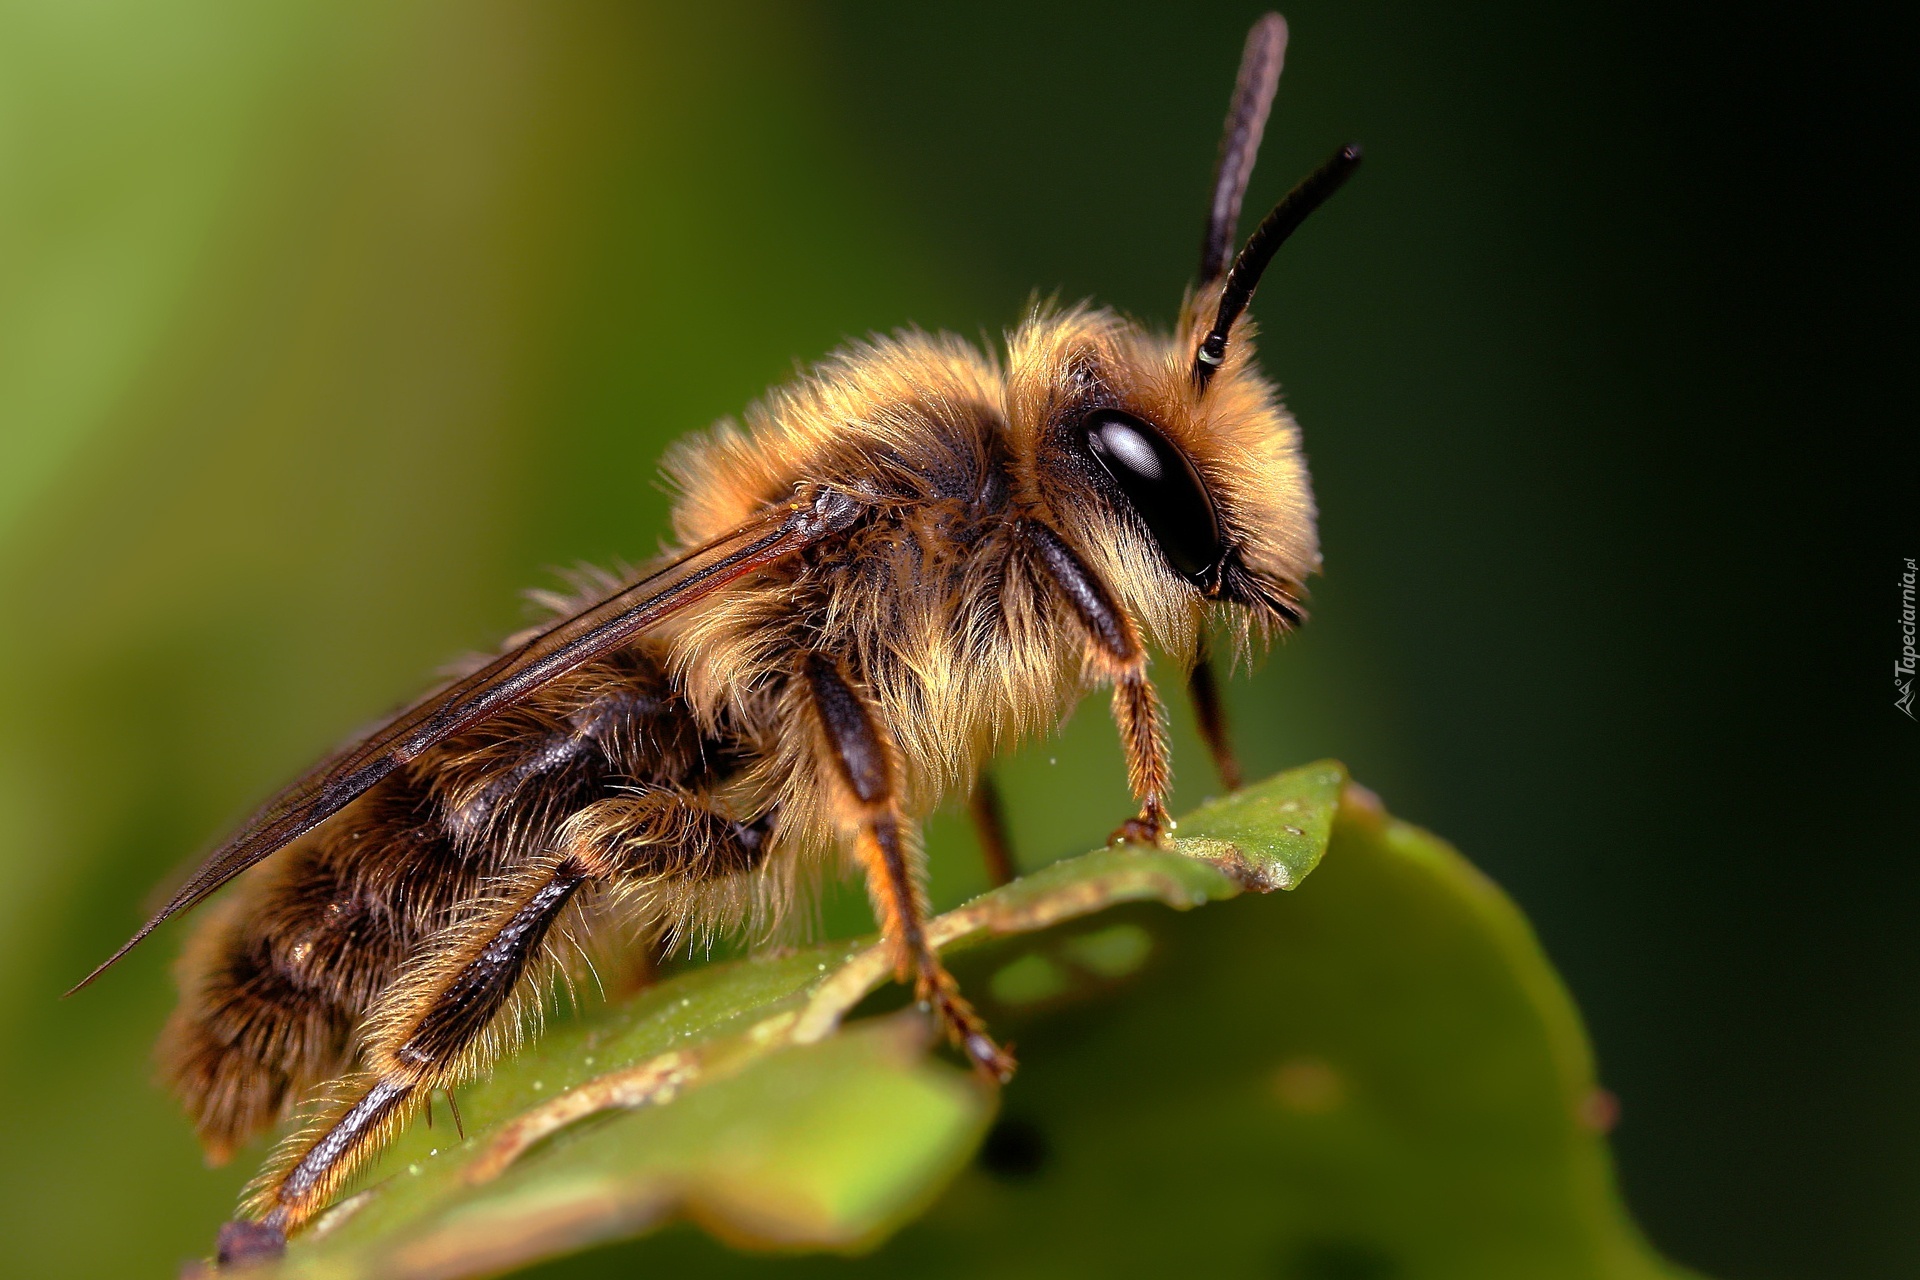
column 1162, row 486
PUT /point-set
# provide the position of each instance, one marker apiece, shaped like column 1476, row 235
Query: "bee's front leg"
column 1113, row 644
column 1203, row 686
column 1143, row 737
column 862, row 777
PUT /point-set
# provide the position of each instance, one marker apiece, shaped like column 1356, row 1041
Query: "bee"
column 913, row 557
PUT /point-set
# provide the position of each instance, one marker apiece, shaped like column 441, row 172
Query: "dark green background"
column 326, row 327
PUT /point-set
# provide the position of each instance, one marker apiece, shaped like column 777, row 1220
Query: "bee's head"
column 1170, row 461
column 1179, row 496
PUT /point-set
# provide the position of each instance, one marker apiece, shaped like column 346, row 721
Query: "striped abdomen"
column 275, row 985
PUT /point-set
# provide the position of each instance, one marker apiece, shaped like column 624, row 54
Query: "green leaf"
column 1380, row 1077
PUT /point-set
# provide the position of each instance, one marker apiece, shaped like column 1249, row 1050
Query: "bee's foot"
column 965, row 1028
column 1149, row 828
column 989, row 1059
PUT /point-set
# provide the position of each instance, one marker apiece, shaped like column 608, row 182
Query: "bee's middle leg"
column 865, row 774
column 990, row 825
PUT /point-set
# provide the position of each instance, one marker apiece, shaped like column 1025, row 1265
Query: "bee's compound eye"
column 1162, row 486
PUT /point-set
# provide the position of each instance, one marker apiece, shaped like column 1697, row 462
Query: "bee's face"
column 1183, row 496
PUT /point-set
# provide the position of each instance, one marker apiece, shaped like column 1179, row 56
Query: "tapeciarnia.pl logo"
column 1904, row 664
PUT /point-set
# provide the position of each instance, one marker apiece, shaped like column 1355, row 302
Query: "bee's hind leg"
column 423, row 1037
column 863, row 776
column 429, row 1031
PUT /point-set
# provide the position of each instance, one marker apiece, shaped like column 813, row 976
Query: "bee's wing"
column 500, row 684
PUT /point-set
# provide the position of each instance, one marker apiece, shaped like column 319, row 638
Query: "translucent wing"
column 601, row 627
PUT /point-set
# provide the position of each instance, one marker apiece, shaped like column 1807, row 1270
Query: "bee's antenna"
column 1265, row 241
column 1260, row 64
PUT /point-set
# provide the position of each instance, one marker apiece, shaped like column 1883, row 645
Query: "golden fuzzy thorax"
column 983, row 576
column 964, row 649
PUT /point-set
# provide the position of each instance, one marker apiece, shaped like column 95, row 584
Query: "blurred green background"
column 324, row 328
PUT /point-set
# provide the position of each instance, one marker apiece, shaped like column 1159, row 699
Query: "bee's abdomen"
column 274, row 987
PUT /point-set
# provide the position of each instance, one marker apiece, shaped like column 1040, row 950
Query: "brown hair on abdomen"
column 272, row 991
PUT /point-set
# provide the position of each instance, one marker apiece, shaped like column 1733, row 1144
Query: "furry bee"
column 908, row 560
